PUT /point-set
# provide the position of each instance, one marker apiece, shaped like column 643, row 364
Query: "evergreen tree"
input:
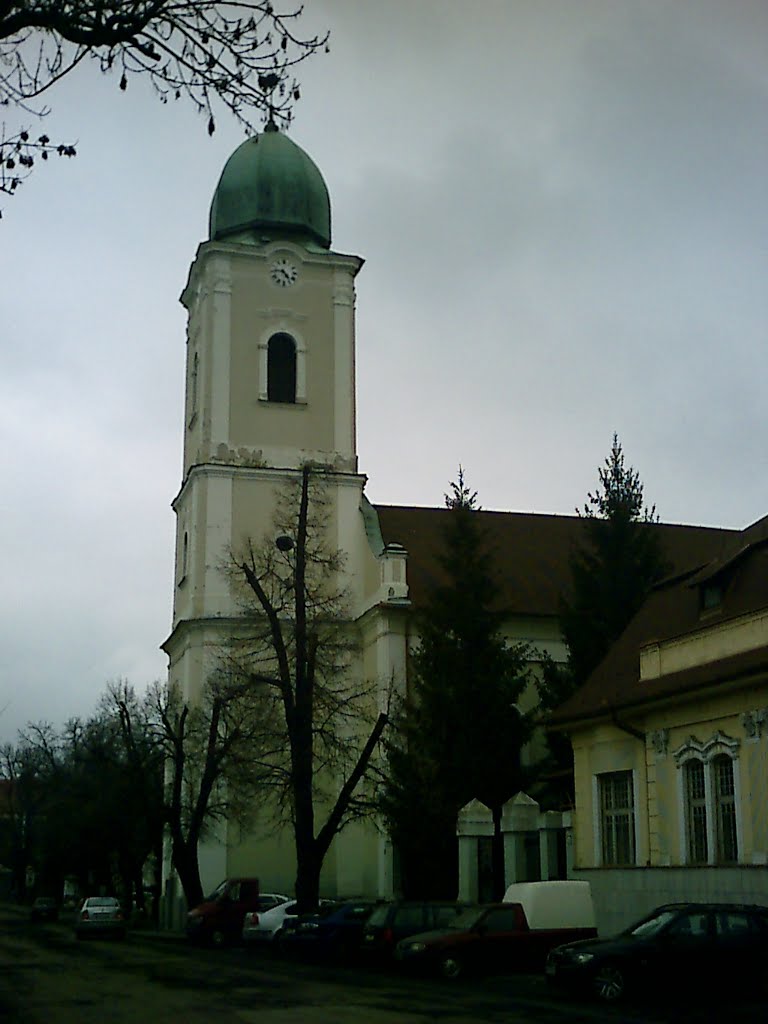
column 458, row 734
column 612, row 572
column 615, row 569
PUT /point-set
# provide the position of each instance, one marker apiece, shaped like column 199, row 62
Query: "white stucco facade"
column 241, row 448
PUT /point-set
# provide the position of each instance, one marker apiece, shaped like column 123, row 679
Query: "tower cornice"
column 269, row 474
column 207, row 251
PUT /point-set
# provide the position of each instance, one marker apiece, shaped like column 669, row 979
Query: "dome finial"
column 268, row 83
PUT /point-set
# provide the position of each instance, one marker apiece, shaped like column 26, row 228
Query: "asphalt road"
column 47, row 977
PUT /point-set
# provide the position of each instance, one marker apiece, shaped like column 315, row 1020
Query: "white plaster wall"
column 623, row 896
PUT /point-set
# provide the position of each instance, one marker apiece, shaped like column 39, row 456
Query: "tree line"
column 284, row 727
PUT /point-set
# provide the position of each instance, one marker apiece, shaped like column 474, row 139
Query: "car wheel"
column 609, row 983
column 276, row 945
column 451, row 967
column 218, row 939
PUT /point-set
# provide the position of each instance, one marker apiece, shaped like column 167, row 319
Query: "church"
column 270, row 387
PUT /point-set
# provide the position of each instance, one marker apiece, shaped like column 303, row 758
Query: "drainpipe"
column 627, row 728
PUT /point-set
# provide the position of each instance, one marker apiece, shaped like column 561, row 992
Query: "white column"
column 219, row 348
column 344, row 363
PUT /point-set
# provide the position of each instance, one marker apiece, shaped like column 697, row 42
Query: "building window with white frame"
column 617, row 819
column 709, row 795
column 696, row 811
column 725, row 810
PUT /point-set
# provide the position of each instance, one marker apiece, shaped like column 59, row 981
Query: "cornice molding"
column 252, row 468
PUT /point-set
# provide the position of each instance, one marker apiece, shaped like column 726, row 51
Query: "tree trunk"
column 186, row 864
column 308, row 866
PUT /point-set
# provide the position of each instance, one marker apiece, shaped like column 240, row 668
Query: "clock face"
column 283, row 272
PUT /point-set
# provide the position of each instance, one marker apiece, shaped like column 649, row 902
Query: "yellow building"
column 670, row 741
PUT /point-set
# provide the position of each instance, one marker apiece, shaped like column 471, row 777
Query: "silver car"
column 100, row 915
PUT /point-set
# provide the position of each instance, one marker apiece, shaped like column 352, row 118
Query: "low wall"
column 623, row 895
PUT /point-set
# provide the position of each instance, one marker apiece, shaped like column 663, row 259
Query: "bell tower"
column 270, row 380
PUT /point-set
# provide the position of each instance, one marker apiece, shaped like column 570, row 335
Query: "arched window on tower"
column 281, row 368
column 184, row 557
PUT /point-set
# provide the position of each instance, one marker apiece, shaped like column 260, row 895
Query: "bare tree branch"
column 233, row 56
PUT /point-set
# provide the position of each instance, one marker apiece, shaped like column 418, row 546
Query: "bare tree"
column 214, row 749
column 19, row 769
column 297, row 647
column 93, row 803
column 238, row 56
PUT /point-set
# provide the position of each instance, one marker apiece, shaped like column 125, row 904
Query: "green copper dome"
column 269, row 184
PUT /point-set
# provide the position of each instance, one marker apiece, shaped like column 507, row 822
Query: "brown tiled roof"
column 674, row 610
column 531, row 551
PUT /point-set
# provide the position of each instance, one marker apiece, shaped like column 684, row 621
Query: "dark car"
column 391, row 922
column 333, row 933
column 493, row 937
column 45, row 908
column 677, row 947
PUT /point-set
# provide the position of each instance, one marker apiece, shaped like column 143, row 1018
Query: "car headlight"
column 582, row 958
column 416, row 947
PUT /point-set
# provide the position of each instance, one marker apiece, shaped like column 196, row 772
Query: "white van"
column 554, row 905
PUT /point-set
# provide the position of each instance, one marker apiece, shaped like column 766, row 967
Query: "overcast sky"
column 563, row 210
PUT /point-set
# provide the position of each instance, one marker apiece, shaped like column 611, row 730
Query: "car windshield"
column 466, row 919
column 652, row 925
column 379, row 916
column 101, row 901
column 218, row 891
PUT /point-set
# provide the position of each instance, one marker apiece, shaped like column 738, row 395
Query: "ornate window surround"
column 706, row 752
column 755, row 724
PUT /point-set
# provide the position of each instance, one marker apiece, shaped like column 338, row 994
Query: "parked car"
column 393, row 921
column 678, row 946
column 44, row 908
column 100, row 915
column 508, row 936
column 333, row 933
column 264, row 924
column 218, row 920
